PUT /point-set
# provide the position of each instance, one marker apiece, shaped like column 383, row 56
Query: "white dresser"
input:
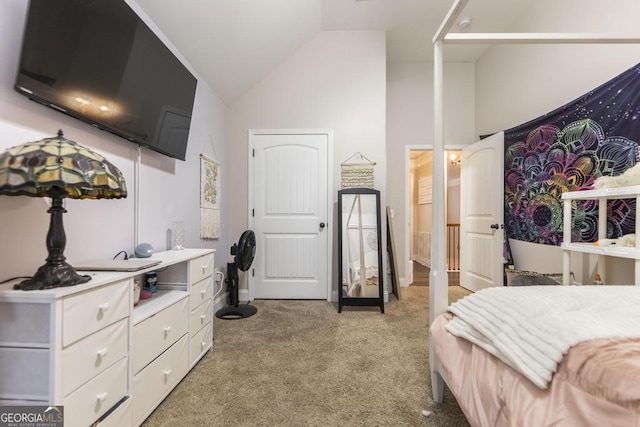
column 88, row 348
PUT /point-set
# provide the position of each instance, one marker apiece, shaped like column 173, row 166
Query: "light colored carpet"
column 301, row 363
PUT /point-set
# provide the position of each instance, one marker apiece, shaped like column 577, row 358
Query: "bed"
column 541, row 355
column 595, row 380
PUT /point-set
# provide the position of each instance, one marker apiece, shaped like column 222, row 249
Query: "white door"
column 481, row 214
column 290, row 214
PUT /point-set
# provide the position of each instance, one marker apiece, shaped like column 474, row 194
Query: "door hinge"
column 254, row 152
column 253, row 272
column 253, row 212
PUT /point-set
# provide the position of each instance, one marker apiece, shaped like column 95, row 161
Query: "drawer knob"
column 104, row 307
column 204, row 316
column 103, row 352
column 203, row 292
column 102, row 397
column 204, row 269
column 202, row 345
column 167, row 330
column 167, row 373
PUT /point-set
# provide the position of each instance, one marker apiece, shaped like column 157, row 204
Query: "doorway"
column 419, row 212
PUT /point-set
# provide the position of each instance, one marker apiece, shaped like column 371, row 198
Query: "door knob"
column 322, row 225
column 495, row 226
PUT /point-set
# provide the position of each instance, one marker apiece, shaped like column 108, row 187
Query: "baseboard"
column 243, row 294
column 333, row 298
column 404, row 282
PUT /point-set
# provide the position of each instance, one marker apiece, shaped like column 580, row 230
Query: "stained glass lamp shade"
column 57, row 168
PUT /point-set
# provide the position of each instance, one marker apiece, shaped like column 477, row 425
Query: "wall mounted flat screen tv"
column 97, row 61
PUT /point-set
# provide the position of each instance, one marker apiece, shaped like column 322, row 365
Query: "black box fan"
column 244, row 252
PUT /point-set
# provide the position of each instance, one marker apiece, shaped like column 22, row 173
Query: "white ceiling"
column 233, row 44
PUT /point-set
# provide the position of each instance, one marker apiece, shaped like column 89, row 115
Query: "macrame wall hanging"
column 357, row 174
column 210, row 195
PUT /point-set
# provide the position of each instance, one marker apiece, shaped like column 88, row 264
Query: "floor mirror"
column 360, row 269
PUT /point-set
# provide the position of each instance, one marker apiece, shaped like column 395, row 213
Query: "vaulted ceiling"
column 233, row 44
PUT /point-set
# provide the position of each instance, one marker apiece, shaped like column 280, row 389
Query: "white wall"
column 424, row 212
column 518, row 83
column 335, row 81
column 410, row 122
column 95, row 229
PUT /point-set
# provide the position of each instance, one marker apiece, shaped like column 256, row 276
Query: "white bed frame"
column 438, row 291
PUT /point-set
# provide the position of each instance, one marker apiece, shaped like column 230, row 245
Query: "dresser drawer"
column 200, row 316
column 121, row 416
column 200, row 268
column 88, row 403
column 88, row 357
column 154, row 382
column 201, row 291
column 156, row 333
column 90, row 311
column 30, row 318
column 200, row 343
column 24, row 373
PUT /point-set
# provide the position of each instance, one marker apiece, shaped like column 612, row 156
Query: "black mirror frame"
column 344, row 300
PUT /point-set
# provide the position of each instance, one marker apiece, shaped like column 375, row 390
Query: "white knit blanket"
column 531, row 328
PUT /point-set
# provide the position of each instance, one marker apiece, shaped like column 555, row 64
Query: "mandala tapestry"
column 566, row 150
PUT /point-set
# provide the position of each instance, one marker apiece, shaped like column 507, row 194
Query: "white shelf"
column 607, row 193
column 158, row 302
column 590, row 248
column 568, row 247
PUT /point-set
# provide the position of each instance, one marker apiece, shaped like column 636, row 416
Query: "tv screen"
column 97, row 61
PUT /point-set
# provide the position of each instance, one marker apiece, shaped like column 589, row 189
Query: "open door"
column 481, row 214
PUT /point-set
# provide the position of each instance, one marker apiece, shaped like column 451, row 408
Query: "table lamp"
column 57, row 168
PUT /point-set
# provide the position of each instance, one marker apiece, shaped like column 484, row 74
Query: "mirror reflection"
column 360, row 269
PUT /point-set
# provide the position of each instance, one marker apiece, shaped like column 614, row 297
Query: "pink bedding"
column 597, row 384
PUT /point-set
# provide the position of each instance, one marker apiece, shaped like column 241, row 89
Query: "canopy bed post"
column 438, row 278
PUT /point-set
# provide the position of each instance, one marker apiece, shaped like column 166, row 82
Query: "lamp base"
column 53, row 275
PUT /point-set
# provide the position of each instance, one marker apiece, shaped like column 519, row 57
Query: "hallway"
column 421, row 276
